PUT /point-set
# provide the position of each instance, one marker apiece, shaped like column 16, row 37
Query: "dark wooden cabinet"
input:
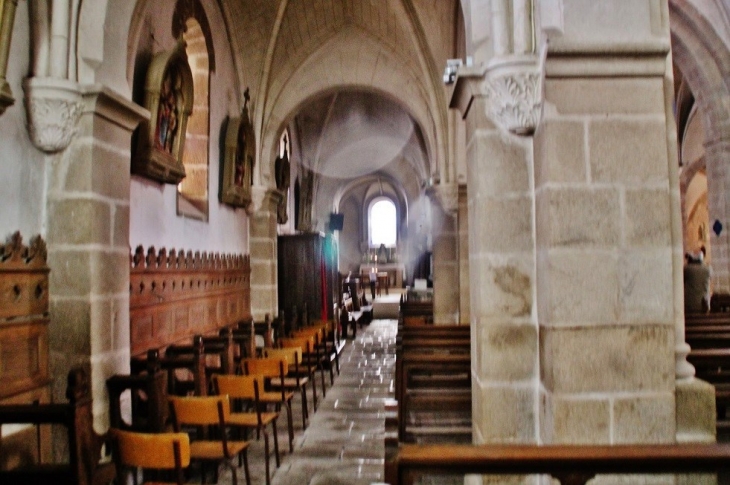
column 308, row 273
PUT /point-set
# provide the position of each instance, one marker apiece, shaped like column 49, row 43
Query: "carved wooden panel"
column 175, row 295
column 23, row 316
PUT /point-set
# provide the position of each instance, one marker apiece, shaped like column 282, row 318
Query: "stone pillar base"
column 695, row 401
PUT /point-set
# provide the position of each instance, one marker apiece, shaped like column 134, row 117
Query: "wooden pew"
column 570, row 464
column 433, row 378
column 84, row 445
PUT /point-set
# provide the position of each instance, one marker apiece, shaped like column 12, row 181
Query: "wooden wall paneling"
column 24, row 321
column 183, row 294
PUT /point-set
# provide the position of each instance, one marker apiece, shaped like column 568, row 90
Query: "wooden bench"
column 433, row 379
column 569, row 464
column 84, row 445
column 708, row 335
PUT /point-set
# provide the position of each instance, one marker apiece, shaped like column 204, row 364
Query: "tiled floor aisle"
column 343, row 443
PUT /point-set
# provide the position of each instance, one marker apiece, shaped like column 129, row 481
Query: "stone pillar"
column 263, row 250
column 445, row 229
column 609, row 247
column 717, row 153
column 88, row 245
column 463, row 237
column 501, row 270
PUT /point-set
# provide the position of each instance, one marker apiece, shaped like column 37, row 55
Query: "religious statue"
column 282, row 172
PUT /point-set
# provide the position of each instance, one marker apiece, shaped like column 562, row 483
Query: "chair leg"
column 276, row 443
column 321, row 374
column 290, row 423
column 267, row 458
column 305, row 411
column 245, row 469
column 314, row 391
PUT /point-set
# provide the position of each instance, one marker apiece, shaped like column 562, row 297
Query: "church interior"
column 472, row 223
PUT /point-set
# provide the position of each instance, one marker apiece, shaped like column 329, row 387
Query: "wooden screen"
column 23, row 318
column 175, row 295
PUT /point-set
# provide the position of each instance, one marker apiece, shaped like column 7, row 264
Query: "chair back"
column 237, row 387
column 267, row 366
column 159, row 451
column 200, row 410
column 293, row 355
column 304, row 343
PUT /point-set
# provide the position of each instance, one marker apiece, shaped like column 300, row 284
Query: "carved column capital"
column 512, row 87
column 447, row 197
column 264, row 199
column 53, row 107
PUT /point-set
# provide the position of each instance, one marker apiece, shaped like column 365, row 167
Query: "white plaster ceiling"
column 350, row 134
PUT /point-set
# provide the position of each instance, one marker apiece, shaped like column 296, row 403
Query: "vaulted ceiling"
column 337, row 67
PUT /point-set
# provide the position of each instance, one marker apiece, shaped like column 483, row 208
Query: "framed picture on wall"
column 169, row 98
column 238, row 159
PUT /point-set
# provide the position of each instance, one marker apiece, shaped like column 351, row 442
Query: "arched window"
column 382, row 223
column 192, row 199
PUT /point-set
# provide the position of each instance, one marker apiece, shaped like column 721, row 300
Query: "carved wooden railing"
column 174, row 295
column 570, row 464
column 24, row 320
column 23, row 316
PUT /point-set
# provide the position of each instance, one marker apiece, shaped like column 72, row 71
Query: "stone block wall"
column 605, row 262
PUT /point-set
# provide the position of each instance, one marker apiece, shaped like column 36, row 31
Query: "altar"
column 396, row 272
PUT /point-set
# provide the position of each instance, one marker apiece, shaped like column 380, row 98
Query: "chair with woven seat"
column 244, row 391
column 272, row 368
column 154, row 453
column 296, row 377
column 209, row 414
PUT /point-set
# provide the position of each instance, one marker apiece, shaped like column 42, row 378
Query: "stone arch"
column 704, row 59
column 360, row 66
column 193, row 9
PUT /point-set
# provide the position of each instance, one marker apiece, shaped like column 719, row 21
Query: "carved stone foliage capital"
column 447, row 196
column 53, row 107
column 513, row 88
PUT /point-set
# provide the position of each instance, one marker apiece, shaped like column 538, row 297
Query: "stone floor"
column 343, row 443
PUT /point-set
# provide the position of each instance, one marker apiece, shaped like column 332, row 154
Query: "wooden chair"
column 295, row 379
column 311, row 357
column 266, row 369
column 211, row 444
column 245, row 389
column 322, row 350
column 157, row 452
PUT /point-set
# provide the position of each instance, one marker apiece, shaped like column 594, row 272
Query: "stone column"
column 463, row 236
column 501, row 269
column 717, row 153
column 88, row 244
column 7, row 19
column 445, row 229
column 263, row 250
column 608, row 228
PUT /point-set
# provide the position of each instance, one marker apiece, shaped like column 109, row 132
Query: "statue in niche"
column 238, row 161
column 282, row 171
column 169, row 97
